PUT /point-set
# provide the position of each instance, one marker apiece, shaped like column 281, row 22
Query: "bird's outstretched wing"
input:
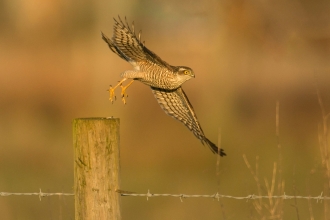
column 176, row 104
column 129, row 47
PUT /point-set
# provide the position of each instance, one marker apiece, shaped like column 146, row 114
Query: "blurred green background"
column 246, row 56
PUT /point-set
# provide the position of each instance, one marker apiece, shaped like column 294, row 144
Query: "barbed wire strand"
column 40, row 194
column 217, row 196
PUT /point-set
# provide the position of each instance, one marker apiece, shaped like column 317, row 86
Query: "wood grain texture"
column 96, row 168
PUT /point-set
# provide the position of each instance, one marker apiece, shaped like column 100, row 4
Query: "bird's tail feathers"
column 214, row 147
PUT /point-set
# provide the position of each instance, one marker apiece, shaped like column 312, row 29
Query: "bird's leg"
column 123, row 90
column 112, row 90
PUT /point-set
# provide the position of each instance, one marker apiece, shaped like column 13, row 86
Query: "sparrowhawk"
column 164, row 80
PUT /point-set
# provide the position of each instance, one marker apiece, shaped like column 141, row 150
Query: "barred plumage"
column 165, row 80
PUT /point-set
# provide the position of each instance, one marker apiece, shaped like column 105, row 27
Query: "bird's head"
column 185, row 73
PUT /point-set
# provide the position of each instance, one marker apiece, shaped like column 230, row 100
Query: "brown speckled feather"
column 129, row 47
column 176, row 104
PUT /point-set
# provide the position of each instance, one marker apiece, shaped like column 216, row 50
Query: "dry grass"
column 273, row 208
column 324, row 148
column 218, row 172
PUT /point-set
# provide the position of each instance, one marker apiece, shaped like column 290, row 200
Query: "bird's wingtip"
column 214, row 148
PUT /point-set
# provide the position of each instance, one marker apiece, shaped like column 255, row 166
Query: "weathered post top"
column 96, row 168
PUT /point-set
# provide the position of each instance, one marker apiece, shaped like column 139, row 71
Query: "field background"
column 246, row 55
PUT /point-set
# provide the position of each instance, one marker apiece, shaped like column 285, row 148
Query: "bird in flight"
column 164, row 80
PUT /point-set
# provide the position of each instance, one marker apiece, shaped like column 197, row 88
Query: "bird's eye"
column 186, row 72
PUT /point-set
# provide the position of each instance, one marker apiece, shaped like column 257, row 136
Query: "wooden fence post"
column 96, row 168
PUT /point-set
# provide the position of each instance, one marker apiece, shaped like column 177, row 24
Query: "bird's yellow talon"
column 123, row 91
column 111, row 94
column 111, row 91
